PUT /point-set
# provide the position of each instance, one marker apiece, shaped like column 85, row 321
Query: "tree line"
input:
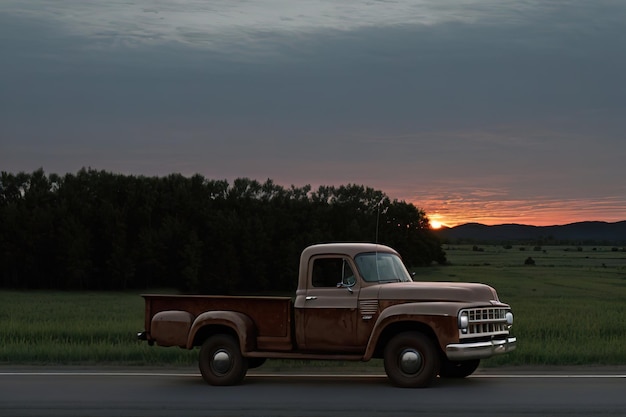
column 96, row 230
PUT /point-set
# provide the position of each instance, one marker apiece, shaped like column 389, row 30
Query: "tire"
column 411, row 360
column 221, row 361
column 458, row 369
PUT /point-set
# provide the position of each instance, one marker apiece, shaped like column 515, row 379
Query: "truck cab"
column 336, row 303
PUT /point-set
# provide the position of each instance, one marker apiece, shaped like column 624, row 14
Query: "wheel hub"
column 221, row 362
column 410, row 361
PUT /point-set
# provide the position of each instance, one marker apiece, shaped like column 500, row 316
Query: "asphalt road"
column 61, row 392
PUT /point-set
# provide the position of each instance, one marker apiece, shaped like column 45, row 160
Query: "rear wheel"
column 221, row 361
column 458, row 369
column 411, row 360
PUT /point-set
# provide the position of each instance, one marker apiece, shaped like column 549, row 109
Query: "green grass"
column 77, row 328
column 569, row 309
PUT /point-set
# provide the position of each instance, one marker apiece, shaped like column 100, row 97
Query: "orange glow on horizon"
column 443, row 213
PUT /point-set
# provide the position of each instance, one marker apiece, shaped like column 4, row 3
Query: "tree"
column 100, row 230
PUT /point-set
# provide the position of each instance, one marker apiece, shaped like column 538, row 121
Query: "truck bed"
column 272, row 315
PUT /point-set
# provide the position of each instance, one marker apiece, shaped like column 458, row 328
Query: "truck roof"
column 350, row 249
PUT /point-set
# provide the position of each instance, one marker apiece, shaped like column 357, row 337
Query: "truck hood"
column 437, row 291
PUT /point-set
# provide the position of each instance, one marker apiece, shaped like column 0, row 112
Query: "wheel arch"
column 396, row 328
column 233, row 323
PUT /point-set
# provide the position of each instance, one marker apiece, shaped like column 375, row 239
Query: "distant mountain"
column 597, row 232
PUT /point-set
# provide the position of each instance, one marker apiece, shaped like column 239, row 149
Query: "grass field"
column 569, row 309
column 80, row 328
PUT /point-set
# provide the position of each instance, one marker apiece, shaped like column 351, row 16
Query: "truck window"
column 328, row 272
column 381, row 267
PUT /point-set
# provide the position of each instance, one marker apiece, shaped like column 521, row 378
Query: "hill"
column 581, row 232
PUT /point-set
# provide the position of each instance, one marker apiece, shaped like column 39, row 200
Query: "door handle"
column 310, row 297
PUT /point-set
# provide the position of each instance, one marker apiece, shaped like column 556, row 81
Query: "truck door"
column 327, row 311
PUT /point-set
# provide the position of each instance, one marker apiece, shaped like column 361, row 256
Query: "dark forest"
column 96, row 230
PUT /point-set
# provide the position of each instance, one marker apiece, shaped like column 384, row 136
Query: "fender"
column 440, row 317
column 170, row 327
column 238, row 322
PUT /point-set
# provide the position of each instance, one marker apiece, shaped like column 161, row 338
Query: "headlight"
column 463, row 321
column 509, row 318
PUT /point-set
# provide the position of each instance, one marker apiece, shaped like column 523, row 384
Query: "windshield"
column 381, row 267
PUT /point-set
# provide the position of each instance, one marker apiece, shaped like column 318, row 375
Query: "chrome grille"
column 479, row 314
column 487, row 321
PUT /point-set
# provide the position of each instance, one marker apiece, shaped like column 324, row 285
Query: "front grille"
column 487, row 321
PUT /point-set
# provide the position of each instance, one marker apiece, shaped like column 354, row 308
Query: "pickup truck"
column 354, row 302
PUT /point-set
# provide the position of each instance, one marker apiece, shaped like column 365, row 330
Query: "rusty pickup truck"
column 355, row 301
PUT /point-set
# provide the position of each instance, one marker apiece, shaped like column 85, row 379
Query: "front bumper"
column 480, row 350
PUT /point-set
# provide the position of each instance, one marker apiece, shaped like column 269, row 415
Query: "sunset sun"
column 434, row 224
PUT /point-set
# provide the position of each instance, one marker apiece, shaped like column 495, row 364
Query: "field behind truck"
column 569, row 306
column 569, row 310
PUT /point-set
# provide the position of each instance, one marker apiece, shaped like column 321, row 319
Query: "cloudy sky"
column 507, row 111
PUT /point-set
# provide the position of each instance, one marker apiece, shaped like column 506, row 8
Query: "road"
column 45, row 392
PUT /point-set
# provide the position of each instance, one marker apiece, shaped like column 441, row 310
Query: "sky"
column 488, row 111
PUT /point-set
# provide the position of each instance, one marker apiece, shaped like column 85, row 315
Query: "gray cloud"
column 416, row 98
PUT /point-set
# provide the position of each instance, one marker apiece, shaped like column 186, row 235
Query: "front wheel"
column 411, row 360
column 458, row 369
column 221, row 361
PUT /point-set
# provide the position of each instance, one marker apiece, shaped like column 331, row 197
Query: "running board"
column 298, row 355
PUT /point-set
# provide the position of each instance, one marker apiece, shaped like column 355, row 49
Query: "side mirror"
column 344, row 285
